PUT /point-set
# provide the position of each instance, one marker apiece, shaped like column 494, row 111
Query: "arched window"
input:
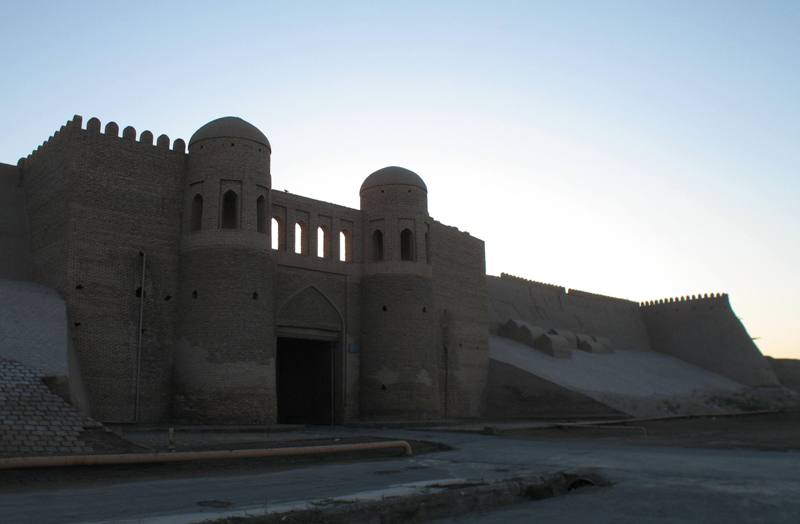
column 230, row 210
column 323, row 247
column 300, row 239
column 406, row 245
column 197, row 213
column 345, row 246
column 261, row 214
column 278, row 239
column 377, row 245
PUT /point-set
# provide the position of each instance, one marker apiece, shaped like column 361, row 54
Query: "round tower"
column 399, row 357
column 225, row 357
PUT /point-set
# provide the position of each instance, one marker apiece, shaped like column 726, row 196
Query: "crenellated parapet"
column 705, row 331
column 74, row 126
column 600, row 298
column 552, row 287
column 111, row 130
column 707, row 298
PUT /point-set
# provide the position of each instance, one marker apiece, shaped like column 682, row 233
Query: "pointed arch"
column 377, row 245
column 301, row 238
column 345, row 245
column 323, row 241
column 229, row 219
column 310, row 308
column 406, row 244
column 278, row 234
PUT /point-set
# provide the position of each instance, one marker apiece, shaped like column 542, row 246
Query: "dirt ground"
column 774, row 431
column 770, row 431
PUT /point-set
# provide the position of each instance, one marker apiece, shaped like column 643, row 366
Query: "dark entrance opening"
column 305, row 381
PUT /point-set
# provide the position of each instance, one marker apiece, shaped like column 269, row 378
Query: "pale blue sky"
column 637, row 149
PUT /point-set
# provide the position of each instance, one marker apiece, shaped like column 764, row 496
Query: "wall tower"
column 225, row 355
column 400, row 366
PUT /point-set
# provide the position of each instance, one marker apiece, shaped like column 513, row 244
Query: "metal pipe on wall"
column 143, row 256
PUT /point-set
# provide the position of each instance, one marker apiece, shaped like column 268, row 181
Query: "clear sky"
column 637, row 149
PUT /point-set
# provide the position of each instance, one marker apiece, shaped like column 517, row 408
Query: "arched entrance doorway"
column 309, row 360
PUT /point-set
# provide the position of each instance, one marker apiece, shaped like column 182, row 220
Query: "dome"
column 393, row 176
column 230, row 127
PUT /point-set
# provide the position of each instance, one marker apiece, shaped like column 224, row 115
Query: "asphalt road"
column 651, row 484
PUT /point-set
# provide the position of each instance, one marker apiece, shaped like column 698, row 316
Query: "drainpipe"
column 143, row 256
column 345, row 348
column 445, row 334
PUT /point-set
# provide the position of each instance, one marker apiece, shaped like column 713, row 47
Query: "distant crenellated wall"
column 704, row 331
column 550, row 306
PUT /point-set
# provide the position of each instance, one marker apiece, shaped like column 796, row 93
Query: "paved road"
column 652, row 484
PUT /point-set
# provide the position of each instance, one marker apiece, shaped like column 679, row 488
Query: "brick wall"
column 707, row 333
column 400, row 360
column 459, row 292
column 125, row 211
column 550, row 306
column 15, row 256
column 33, row 420
column 225, row 357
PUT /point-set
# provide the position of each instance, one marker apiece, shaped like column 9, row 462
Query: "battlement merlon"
column 74, row 126
column 527, row 282
column 70, row 126
column 129, row 133
column 687, row 300
column 599, row 297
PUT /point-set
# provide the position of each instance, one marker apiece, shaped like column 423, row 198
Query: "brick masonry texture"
column 176, row 298
column 33, row 420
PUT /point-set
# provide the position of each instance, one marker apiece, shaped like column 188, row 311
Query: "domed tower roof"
column 230, row 127
column 393, row 176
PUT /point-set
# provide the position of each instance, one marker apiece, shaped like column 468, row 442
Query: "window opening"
column 277, row 239
column 323, row 251
column 261, row 218
column 377, row 245
column 300, row 238
column 197, row 213
column 406, row 245
column 230, row 210
column 345, row 246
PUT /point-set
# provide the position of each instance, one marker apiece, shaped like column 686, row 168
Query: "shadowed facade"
column 195, row 292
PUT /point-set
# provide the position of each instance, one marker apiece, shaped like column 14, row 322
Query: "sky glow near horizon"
column 635, row 149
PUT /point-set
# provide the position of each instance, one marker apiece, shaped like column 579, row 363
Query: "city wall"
column 549, row 306
column 101, row 206
column 460, row 295
column 707, row 333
